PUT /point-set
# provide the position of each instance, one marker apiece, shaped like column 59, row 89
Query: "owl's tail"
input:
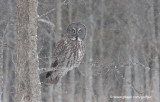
column 50, row 77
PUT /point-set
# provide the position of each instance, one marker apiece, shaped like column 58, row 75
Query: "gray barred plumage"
column 68, row 53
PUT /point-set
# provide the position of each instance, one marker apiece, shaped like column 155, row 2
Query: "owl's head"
column 76, row 31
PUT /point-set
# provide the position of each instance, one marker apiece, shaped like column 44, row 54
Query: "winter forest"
column 122, row 56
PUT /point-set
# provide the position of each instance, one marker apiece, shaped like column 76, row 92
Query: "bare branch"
column 47, row 22
column 43, row 70
column 53, row 9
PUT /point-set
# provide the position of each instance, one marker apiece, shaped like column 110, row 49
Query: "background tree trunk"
column 1, row 65
column 50, row 98
column 27, row 70
column 71, row 85
column 89, row 58
column 101, row 50
column 58, row 87
column 155, row 55
column 6, row 78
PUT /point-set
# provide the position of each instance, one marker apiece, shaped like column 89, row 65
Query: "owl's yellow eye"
column 79, row 31
column 73, row 30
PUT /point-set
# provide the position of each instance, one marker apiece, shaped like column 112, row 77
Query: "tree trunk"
column 1, row 66
column 72, row 72
column 88, row 71
column 6, row 78
column 128, row 76
column 58, row 19
column 28, row 87
column 101, row 49
column 155, row 56
column 148, row 51
column 89, row 58
column 50, row 98
column 6, row 55
column 58, row 88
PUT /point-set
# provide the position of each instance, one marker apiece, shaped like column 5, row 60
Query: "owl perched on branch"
column 68, row 53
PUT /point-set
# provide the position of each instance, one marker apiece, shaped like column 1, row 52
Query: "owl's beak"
column 76, row 36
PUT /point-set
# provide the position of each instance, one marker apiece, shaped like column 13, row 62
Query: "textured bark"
column 33, row 55
column 28, row 87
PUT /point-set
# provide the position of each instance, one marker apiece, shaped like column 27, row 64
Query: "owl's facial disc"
column 76, row 32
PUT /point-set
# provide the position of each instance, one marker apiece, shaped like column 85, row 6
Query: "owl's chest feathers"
column 75, row 54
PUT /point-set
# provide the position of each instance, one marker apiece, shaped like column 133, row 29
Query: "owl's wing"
column 52, row 76
column 59, row 50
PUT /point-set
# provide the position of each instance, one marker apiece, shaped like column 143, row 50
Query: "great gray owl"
column 68, row 53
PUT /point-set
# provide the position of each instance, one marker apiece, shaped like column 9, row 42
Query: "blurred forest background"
column 122, row 49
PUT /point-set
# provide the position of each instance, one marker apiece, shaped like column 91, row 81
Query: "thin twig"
column 132, row 86
column 45, row 14
column 53, row 9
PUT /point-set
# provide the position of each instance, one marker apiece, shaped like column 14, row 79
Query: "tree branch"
column 47, row 22
column 45, row 14
column 43, row 70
